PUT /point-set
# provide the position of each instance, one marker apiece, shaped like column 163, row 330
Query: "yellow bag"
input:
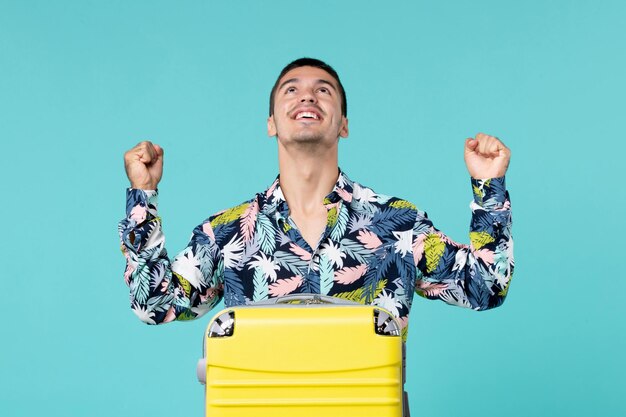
column 303, row 355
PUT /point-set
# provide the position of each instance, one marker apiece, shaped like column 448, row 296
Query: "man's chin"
column 306, row 137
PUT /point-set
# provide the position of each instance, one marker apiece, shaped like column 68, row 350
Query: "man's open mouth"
column 307, row 115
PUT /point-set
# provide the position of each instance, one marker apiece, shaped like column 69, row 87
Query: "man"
column 314, row 229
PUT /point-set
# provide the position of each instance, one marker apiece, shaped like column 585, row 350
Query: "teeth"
column 307, row 115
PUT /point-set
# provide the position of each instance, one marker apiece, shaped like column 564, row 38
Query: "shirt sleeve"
column 162, row 290
column 477, row 275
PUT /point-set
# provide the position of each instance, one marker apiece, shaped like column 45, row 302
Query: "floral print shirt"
column 375, row 249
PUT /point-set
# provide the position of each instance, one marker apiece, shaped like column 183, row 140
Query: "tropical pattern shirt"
column 375, row 249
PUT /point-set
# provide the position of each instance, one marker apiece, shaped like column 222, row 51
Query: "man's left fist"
column 486, row 157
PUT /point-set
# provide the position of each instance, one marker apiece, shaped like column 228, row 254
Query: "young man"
column 314, row 229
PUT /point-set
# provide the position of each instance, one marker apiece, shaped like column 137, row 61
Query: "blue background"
column 83, row 81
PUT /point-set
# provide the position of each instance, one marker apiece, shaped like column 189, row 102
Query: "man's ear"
column 343, row 130
column 271, row 126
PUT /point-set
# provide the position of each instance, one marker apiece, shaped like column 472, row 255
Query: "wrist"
column 490, row 192
column 143, row 186
column 140, row 201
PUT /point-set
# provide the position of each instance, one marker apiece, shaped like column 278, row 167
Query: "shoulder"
column 382, row 207
column 225, row 224
column 364, row 194
column 231, row 215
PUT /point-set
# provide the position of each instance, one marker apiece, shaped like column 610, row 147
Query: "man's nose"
column 308, row 96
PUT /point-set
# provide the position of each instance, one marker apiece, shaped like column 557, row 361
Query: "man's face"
column 307, row 108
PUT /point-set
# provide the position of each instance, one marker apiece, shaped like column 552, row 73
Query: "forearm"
column 148, row 268
column 489, row 269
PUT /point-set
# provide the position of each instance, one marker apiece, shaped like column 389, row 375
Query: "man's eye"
column 290, row 89
column 324, row 90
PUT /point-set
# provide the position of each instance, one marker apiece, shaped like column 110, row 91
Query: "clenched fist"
column 486, row 157
column 144, row 165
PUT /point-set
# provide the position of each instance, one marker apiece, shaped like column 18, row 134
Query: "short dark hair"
column 311, row 62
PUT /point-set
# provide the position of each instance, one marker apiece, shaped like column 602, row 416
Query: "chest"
column 356, row 265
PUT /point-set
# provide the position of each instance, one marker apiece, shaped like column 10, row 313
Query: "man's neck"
column 307, row 176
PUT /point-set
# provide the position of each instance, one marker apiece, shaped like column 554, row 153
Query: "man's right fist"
column 144, row 165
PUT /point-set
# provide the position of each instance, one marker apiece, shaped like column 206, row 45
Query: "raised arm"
column 477, row 275
column 162, row 290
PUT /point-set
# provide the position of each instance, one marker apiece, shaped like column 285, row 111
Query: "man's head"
column 308, row 103
column 316, row 63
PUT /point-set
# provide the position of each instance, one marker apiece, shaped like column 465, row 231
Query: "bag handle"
column 306, row 298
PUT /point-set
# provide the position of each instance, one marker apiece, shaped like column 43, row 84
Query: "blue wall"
column 82, row 81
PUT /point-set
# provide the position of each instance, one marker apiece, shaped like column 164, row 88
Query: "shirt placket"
column 315, row 257
column 312, row 272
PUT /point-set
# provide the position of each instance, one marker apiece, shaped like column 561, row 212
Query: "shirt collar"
column 274, row 199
